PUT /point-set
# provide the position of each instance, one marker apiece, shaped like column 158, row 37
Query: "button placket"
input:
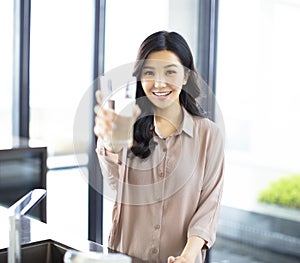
column 156, row 232
column 154, row 250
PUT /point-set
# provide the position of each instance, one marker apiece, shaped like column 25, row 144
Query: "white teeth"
column 161, row 93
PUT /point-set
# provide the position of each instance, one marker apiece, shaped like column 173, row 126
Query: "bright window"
column 129, row 22
column 61, row 61
column 258, row 92
column 6, row 69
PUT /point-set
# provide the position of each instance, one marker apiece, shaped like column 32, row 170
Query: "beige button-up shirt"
column 173, row 194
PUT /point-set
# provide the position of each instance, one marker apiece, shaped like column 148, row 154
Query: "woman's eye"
column 148, row 73
column 170, row 72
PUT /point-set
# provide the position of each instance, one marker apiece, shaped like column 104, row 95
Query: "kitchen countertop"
column 33, row 230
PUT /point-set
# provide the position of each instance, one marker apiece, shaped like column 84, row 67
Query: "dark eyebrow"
column 171, row 65
column 148, row 67
column 167, row 66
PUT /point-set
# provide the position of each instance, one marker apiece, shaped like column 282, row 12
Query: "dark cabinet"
column 22, row 168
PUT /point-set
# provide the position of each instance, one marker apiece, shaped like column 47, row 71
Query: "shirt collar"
column 186, row 126
column 187, row 123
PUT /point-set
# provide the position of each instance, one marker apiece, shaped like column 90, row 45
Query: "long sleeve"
column 109, row 166
column 205, row 219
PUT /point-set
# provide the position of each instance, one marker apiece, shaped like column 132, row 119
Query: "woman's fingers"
column 178, row 259
column 171, row 259
column 104, row 123
column 97, row 131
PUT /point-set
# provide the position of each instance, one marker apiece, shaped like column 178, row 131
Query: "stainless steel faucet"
column 16, row 211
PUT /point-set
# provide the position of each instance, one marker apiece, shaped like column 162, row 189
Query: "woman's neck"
column 168, row 120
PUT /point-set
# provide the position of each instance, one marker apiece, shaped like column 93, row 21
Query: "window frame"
column 21, row 55
column 206, row 57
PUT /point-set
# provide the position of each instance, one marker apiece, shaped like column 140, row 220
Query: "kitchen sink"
column 46, row 251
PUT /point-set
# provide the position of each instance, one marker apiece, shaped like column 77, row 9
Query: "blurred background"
column 247, row 51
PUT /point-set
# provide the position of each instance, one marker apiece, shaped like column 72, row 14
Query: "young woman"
column 169, row 182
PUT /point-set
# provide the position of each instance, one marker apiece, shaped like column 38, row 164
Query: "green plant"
column 285, row 192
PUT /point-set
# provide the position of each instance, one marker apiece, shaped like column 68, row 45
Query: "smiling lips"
column 162, row 94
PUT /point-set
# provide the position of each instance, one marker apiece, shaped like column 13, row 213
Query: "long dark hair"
column 143, row 127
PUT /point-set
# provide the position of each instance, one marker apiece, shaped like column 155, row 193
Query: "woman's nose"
column 159, row 83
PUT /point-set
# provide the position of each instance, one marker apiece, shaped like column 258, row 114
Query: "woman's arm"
column 190, row 251
column 109, row 164
column 203, row 225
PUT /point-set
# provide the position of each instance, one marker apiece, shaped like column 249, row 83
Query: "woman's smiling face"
column 162, row 78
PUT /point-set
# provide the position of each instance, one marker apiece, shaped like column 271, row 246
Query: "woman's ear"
column 186, row 76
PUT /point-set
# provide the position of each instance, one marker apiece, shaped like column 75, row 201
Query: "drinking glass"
column 121, row 99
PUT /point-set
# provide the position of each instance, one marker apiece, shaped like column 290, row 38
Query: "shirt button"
column 154, row 250
column 156, row 227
